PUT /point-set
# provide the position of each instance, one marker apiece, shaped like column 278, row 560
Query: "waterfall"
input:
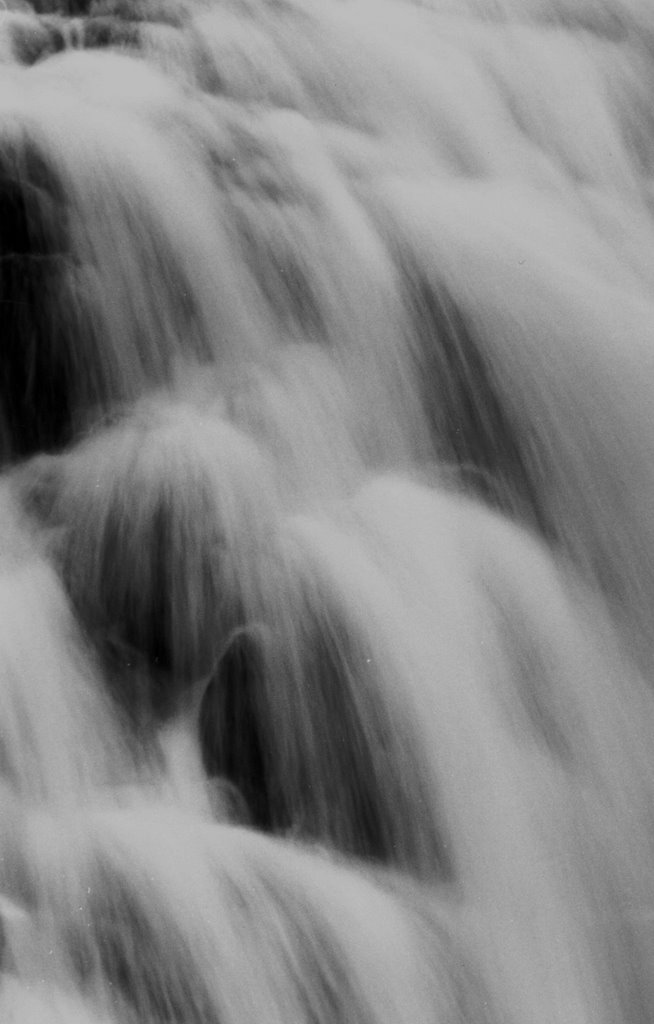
column 326, row 542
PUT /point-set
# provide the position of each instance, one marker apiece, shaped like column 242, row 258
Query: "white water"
column 326, row 542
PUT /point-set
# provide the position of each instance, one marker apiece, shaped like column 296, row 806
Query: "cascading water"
column 326, row 543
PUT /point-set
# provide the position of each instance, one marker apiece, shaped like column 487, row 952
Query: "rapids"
column 327, row 512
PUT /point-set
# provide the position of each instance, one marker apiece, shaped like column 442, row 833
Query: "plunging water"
column 326, row 531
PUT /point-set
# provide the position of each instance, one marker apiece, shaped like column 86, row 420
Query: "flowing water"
column 327, row 512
